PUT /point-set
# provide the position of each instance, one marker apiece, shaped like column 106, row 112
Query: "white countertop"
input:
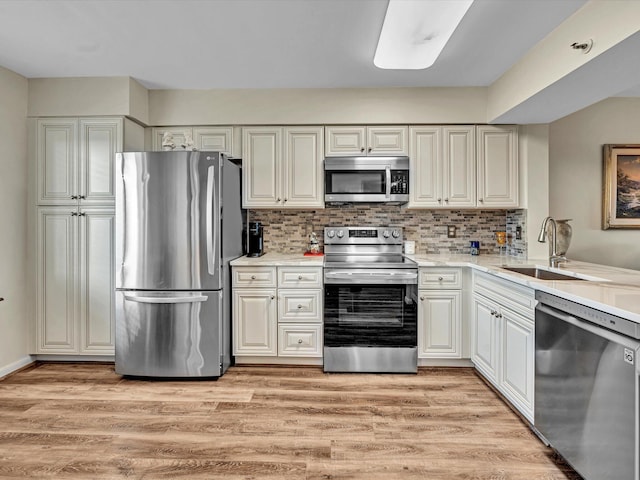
column 272, row 259
column 610, row 289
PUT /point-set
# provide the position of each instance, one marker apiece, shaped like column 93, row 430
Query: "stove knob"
column 340, row 234
column 395, row 234
column 331, row 233
column 385, row 234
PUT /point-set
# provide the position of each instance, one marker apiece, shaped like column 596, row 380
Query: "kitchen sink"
column 541, row 273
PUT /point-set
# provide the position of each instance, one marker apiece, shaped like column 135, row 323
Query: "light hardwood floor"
column 82, row 421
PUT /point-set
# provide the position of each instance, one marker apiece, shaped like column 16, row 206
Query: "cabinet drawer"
column 254, row 276
column 519, row 298
column 300, row 277
column 300, row 340
column 439, row 278
column 300, row 305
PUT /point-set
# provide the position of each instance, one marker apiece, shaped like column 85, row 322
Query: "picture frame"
column 621, row 188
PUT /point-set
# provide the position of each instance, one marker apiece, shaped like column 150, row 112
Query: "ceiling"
column 204, row 44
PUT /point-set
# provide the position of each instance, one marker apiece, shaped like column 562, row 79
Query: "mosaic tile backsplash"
column 287, row 231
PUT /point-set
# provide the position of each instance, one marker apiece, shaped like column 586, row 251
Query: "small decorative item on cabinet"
column 168, row 143
column 314, row 246
column 189, row 144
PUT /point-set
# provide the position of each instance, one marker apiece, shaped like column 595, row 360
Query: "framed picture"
column 621, row 190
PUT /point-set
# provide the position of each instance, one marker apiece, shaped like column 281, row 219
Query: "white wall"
column 14, row 322
column 575, row 179
column 317, row 106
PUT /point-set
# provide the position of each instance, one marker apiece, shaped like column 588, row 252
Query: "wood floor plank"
column 82, row 421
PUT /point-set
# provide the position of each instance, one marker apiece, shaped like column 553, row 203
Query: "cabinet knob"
column 446, row 200
column 278, row 199
column 82, row 214
column 498, row 315
column 299, row 307
column 285, row 199
column 74, row 197
column 82, row 197
column 299, row 277
column 370, row 149
column 362, row 150
column 422, row 298
column 440, row 279
column 299, row 341
column 253, row 277
column 480, row 200
column 439, row 200
column 272, row 297
column 74, row 214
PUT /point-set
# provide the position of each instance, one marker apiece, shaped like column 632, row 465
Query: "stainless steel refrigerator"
column 179, row 223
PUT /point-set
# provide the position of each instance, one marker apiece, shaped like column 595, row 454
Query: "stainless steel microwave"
column 366, row 180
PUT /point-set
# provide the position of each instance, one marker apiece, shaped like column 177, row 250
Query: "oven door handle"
column 372, row 278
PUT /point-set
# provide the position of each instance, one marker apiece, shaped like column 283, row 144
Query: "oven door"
column 370, row 315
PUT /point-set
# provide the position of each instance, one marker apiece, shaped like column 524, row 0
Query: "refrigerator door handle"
column 211, row 238
column 142, row 299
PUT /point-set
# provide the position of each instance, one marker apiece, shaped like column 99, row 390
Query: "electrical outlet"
column 451, row 231
column 518, row 232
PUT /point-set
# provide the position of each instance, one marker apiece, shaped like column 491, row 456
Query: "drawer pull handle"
column 299, row 341
column 299, row 277
column 440, row 279
column 299, row 306
column 253, row 277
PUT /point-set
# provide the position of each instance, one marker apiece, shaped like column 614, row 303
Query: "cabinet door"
column 426, row 167
column 178, row 136
column 497, row 166
column 303, row 172
column 214, row 139
column 439, row 329
column 484, row 337
column 57, row 163
column 517, row 364
column 100, row 139
column 254, row 322
column 97, row 282
column 345, row 141
column 459, row 166
column 261, row 169
column 56, row 280
column 387, row 141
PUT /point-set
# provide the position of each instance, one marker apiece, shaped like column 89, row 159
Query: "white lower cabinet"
column 283, row 321
column 255, row 322
column 502, row 345
column 75, row 281
column 439, row 313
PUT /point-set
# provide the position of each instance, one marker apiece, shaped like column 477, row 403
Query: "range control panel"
column 363, row 235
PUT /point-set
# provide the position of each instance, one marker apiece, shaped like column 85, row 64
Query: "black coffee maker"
column 256, row 242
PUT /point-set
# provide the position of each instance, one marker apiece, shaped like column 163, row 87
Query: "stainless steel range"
column 370, row 305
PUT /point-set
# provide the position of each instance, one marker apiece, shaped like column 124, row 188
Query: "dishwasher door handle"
column 589, row 327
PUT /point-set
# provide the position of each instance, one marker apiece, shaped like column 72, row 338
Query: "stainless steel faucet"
column 554, row 259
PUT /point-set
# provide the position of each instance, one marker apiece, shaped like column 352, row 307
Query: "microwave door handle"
column 387, row 172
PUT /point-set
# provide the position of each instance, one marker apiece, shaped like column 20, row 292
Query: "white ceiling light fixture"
column 414, row 32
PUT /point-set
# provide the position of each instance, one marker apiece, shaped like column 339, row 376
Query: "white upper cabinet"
column 497, row 166
column 303, row 172
column 215, row 139
column 361, row 140
column 75, row 160
column 443, row 169
column 282, row 167
column 57, row 161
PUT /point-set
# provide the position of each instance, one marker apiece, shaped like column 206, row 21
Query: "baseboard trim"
column 20, row 364
column 75, row 358
column 444, row 362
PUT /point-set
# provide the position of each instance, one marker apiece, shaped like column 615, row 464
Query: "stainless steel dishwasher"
column 586, row 387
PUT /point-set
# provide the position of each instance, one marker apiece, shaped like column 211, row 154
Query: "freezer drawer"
column 168, row 334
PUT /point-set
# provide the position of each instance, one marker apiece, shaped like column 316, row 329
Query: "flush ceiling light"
column 414, row 32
